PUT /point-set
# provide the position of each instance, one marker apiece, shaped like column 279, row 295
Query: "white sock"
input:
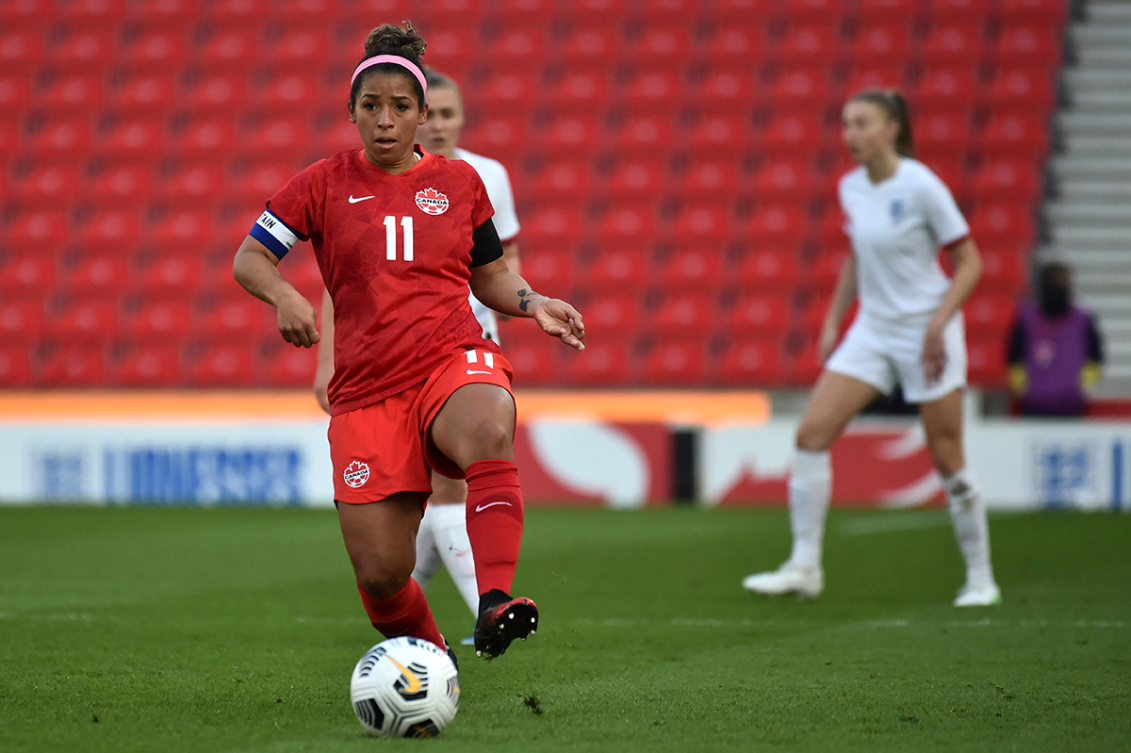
column 427, row 558
column 449, row 527
column 810, row 487
column 968, row 513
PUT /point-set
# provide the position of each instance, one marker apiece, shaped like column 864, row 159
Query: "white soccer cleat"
column 982, row 596
column 807, row 583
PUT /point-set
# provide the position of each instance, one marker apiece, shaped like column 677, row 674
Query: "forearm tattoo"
column 525, row 297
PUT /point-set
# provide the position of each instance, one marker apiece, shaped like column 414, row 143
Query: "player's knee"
column 946, row 452
column 383, row 583
column 488, row 439
column 812, row 438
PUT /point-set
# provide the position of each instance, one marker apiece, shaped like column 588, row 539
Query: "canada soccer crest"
column 431, row 201
column 356, row 474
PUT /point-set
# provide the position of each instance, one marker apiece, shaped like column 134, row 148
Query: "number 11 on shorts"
column 391, row 237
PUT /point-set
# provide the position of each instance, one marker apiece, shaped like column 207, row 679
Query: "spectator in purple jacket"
column 1055, row 350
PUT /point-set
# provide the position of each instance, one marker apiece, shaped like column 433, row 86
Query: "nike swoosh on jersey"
column 469, row 371
column 359, row 198
column 481, row 508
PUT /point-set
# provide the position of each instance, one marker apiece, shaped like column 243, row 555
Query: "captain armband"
column 274, row 234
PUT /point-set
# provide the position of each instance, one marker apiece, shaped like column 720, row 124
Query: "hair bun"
column 390, row 38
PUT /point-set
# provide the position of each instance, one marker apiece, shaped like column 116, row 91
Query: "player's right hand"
column 298, row 321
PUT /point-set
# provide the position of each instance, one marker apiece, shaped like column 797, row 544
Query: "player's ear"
column 349, row 108
column 423, row 115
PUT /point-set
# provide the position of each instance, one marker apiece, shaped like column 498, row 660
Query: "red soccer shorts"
column 383, row 448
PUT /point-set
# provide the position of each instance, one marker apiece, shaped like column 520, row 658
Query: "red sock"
column 404, row 613
column 494, row 522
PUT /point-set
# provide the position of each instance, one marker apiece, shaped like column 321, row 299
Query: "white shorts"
column 881, row 353
column 486, row 318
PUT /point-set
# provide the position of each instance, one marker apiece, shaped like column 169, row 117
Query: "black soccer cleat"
column 501, row 624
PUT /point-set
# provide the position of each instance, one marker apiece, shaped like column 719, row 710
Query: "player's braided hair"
column 390, row 39
column 891, row 101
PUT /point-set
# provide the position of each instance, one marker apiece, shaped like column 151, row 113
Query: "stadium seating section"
column 674, row 164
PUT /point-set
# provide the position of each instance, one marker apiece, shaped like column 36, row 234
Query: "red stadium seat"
column 1032, row 44
column 947, row 89
column 15, row 92
column 83, row 49
column 453, row 49
column 21, row 316
column 618, row 269
column 653, row 92
column 173, row 274
column 677, row 362
column 552, row 230
column 739, row 12
column 15, row 366
column 61, row 142
column 643, row 137
column 207, row 141
column 662, row 47
column 813, row 45
column 710, row 181
column 752, row 363
column 1003, row 225
column 259, row 183
column 776, row 225
column 20, row 51
column 868, row 76
column 236, row 14
column 78, row 365
column 565, row 181
column 32, row 275
column 627, row 227
column 276, row 136
column 986, row 362
column 952, row 171
column 40, row 232
column 227, row 50
column 535, row 362
column 883, row 44
column 735, row 47
column 580, row 91
column 887, row 11
column 288, row 366
column 805, row 368
column 686, row 313
column 1016, row 135
column 703, row 227
column 1027, row 90
column 182, row 229
column 1003, row 269
column 546, row 268
column 132, row 142
column 242, row 318
column 827, row 270
column 77, row 91
column 694, row 269
column 84, row 320
column 298, row 50
column 121, row 187
column 159, row 320
column 295, row 92
column 790, row 135
column 142, row 95
column 729, row 90
column 571, row 135
column 155, row 50
column 784, row 181
column 111, row 233
column 156, row 365
column 719, row 133
column 637, row 182
column 942, row 134
column 510, row 89
column 765, row 316
column 167, row 15
column 224, row 365
column 767, row 270
column 612, row 315
column 1017, row 179
column 958, row 11
column 589, row 48
column 491, row 134
column 1049, row 12
column 218, row 95
column 800, row 91
column 605, row 362
column 520, row 48
column 989, row 315
column 954, row 44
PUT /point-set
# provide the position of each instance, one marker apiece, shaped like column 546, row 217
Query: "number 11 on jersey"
column 391, row 237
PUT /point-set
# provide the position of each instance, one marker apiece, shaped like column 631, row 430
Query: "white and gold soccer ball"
column 405, row 687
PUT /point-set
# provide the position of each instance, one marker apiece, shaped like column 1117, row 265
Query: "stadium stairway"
column 1090, row 225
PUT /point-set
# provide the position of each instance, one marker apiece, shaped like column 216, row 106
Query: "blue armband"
column 274, row 234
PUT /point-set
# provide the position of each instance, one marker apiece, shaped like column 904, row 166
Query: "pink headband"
column 395, row 60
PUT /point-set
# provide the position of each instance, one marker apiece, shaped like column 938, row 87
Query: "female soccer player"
column 399, row 235
column 442, row 539
column 909, row 330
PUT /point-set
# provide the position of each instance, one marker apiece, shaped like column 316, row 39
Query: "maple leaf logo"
column 356, row 474
column 431, row 201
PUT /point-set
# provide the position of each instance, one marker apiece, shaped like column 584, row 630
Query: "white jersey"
column 498, row 185
column 896, row 228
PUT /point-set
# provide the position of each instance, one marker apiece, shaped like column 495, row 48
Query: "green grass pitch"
column 141, row 629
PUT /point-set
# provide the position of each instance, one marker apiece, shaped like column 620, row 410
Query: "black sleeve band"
column 486, row 246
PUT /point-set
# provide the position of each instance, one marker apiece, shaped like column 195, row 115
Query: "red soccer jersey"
column 395, row 254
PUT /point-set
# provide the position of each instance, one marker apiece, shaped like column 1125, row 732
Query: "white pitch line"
column 682, row 622
column 896, row 521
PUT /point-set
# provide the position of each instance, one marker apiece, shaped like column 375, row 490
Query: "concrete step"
column 1110, row 57
column 1111, row 169
column 1101, row 100
column 1096, row 78
column 1083, row 258
column 1099, row 36
column 1092, row 214
column 1093, row 123
column 1083, row 145
column 1089, row 191
column 1107, row 12
column 1091, row 238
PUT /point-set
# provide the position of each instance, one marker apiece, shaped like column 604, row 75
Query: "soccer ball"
column 405, row 687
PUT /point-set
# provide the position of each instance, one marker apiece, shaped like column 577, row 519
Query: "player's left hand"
column 561, row 320
column 934, row 354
